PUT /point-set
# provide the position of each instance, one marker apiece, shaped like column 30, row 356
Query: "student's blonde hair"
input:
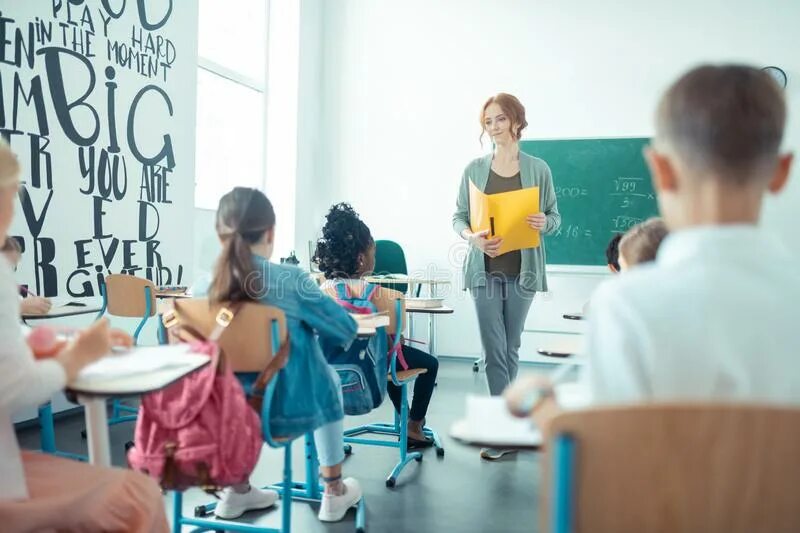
column 9, row 166
column 723, row 121
column 640, row 244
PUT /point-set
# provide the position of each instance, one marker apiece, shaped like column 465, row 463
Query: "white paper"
column 138, row 360
column 488, row 421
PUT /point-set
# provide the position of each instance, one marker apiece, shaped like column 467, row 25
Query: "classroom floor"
column 458, row 493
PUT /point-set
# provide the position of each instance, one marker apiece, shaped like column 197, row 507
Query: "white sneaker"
column 233, row 505
column 334, row 508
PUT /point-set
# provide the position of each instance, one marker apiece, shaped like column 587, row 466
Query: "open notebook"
column 488, row 422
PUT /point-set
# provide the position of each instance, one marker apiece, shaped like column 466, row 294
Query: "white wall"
column 314, row 185
column 402, row 84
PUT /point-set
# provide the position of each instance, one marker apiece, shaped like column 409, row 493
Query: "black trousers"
column 423, row 385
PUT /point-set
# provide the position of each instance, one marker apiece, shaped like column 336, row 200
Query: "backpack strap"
column 188, row 333
column 256, row 397
column 398, row 350
column 342, row 290
column 345, row 295
column 223, row 320
column 369, row 292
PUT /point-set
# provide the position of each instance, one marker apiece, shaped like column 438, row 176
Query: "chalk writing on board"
column 573, row 232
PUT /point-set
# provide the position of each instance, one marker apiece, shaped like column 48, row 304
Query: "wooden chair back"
column 126, row 296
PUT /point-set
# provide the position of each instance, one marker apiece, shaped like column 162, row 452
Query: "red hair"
column 512, row 108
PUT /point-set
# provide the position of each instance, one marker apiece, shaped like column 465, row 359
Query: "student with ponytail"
column 308, row 393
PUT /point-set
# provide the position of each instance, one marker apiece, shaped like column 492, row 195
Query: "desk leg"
column 97, row 429
column 432, row 325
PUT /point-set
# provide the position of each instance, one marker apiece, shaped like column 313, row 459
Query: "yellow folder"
column 503, row 215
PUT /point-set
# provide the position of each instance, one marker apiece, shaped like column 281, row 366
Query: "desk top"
column 442, row 310
column 142, row 382
column 62, row 311
column 176, row 295
column 402, row 279
column 564, row 347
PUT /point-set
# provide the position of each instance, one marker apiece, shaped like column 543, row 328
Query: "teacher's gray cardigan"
column 533, row 173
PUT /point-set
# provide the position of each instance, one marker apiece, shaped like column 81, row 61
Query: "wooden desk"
column 93, row 393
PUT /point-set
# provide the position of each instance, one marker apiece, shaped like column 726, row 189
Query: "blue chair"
column 47, row 434
column 130, row 297
column 673, row 467
column 243, row 348
column 400, row 426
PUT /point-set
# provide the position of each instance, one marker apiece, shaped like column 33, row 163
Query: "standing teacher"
column 503, row 286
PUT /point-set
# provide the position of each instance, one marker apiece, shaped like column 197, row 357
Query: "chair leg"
column 286, row 509
column 405, row 457
column 437, row 442
column 361, row 516
column 177, row 511
column 403, row 422
column 312, row 469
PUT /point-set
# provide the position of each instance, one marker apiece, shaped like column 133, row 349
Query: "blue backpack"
column 362, row 366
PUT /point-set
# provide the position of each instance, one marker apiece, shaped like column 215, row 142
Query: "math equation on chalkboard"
column 603, row 188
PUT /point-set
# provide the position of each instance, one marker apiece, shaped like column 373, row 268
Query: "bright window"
column 232, row 44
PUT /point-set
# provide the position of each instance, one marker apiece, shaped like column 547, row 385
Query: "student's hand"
column 90, row 345
column 120, row 339
column 35, row 305
column 536, row 221
column 518, row 394
column 490, row 247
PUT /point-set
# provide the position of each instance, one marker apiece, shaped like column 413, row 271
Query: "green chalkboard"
column 603, row 187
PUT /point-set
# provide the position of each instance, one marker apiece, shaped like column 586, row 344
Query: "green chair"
column 390, row 259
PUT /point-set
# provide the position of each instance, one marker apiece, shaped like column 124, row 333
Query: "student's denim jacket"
column 307, row 392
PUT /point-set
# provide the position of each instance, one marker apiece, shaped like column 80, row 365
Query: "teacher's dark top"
column 509, row 263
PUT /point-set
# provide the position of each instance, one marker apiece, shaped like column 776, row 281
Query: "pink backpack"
column 200, row 431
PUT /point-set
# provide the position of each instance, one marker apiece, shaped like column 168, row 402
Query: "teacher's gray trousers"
column 502, row 306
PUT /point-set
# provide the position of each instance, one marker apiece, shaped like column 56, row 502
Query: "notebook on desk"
column 372, row 320
column 424, row 303
column 488, row 423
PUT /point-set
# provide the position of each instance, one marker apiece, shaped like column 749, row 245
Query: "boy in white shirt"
column 714, row 316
